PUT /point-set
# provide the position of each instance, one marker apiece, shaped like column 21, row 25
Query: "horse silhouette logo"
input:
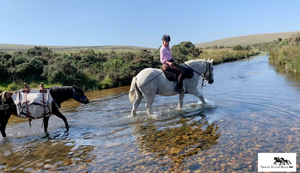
column 281, row 161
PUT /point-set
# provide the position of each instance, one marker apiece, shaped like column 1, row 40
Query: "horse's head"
column 79, row 95
column 208, row 74
column 5, row 98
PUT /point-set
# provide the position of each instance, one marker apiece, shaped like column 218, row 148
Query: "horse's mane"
column 61, row 94
column 195, row 60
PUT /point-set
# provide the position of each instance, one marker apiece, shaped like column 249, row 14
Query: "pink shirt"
column 165, row 54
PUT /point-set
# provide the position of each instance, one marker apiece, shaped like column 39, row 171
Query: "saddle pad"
column 36, row 107
column 173, row 77
column 170, row 76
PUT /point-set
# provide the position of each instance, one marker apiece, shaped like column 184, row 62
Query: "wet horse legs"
column 3, row 122
column 58, row 114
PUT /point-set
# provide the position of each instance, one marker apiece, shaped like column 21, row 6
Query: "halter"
column 76, row 97
column 203, row 74
column 207, row 70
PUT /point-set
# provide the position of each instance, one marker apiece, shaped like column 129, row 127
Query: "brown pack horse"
column 59, row 95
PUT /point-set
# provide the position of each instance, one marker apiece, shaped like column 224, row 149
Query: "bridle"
column 76, row 97
column 203, row 74
column 207, row 70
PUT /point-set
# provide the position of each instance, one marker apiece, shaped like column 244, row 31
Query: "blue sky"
column 141, row 22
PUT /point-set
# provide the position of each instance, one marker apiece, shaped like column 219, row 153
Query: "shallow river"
column 255, row 109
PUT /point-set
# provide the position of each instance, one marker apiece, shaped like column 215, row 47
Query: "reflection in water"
column 55, row 154
column 291, row 76
column 185, row 138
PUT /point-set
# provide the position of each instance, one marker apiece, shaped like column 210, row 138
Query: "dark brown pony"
column 59, row 95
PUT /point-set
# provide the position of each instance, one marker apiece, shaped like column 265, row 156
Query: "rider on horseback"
column 167, row 59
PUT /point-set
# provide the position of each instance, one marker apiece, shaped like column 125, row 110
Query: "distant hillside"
column 16, row 47
column 232, row 41
column 247, row 39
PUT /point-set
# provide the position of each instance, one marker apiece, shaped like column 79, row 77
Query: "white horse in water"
column 152, row 81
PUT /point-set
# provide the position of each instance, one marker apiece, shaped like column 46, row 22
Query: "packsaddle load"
column 33, row 103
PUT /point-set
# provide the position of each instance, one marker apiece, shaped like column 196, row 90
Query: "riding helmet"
column 166, row 38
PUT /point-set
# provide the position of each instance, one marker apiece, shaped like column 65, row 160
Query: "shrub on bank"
column 285, row 52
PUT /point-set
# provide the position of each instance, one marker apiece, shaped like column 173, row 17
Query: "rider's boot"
column 178, row 88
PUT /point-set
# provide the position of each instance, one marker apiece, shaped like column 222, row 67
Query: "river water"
column 254, row 109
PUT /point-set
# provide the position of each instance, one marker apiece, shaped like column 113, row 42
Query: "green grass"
column 288, row 56
column 227, row 55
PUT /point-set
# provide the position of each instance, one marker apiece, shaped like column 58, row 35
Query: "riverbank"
column 93, row 71
column 288, row 56
column 283, row 52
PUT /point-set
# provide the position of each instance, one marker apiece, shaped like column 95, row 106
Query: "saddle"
column 173, row 77
column 33, row 103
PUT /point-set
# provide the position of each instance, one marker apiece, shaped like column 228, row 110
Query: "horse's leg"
column 150, row 100
column 149, row 105
column 46, row 120
column 4, row 123
column 180, row 102
column 196, row 93
column 60, row 115
column 136, row 102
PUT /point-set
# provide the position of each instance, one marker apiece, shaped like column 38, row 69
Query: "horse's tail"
column 132, row 90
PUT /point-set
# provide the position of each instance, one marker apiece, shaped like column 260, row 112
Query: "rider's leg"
column 181, row 76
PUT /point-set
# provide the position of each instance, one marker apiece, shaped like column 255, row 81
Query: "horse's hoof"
column 65, row 135
column 46, row 135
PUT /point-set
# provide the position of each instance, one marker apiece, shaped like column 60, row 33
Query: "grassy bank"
column 227, row 55
column 92, row 70
column 288, row 56
column 284, row 52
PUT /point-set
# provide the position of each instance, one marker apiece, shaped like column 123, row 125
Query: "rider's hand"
column 170, row 64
